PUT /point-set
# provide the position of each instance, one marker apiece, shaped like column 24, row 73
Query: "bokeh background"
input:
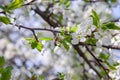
column 51, row 59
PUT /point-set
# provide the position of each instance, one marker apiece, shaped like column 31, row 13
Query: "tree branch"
column 105, row 46
column 81, row 54
column 98, row 61
column 29, row 3
column 35, row 36
column 21, row 26
column 45, row 15
column 56, row 31
column 2, row 12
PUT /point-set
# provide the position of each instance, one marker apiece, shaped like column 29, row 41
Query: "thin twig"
column 97, row 60
column 56, row 31
column 45, row 29
column 45, row 15
column 94, row 1
column 81, row 54
column 105, row 46
column 2, row 12
column 29, row 3
column 35, row 36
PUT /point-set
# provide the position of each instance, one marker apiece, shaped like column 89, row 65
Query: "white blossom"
column 75, row 40
column 91, row 71
column 96, row 35
column 82, row 39
column 99, row 43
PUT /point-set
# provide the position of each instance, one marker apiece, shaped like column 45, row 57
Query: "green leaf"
column 110, row 66
column 86, row 0
column 111, row 25
column 91, row 41
column 113, row 1
column 9, row 68
column 61, row 75
column 14, row 5
column 95, row 18
column 116, row 64
column 29, row 39
column 102, row 72
column 39, row 46
column 41, row 77
column 66, row 46
column 59, row 17
column 73, row 29
column 65, row 2
column 4, row 19
column 32, row 41
column 2, row 61
column 67, row 38
column 34, row 44
column 65, row 42
column 2, row 7
column 53, row 1
column 46, row 38
column 104, row 56
column 62, row 32
column 34, row 77
column 1, row 70
column 6, row 74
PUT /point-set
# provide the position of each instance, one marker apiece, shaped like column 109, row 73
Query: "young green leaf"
column 110, row 25
column 65, row 2
column 14, row 5
column 104, row 56
column 34, row 77
column 46, row 38
column 73, row 29
column 41, row 77
column 102, row 72
column 112, row 67
column 39, row 46
column 2, row 7
column 91, row 41
column 2, row 61
column 4, row 19
column 6, row 74
column 61, row 76
column 29, row 39
column 67, row 39
column 66, row 46
column 34, row 44
column 59, row 17
column 1, row 70
column 32, row 41
column 95, row 18
column 116, row 64
column 113, row 1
